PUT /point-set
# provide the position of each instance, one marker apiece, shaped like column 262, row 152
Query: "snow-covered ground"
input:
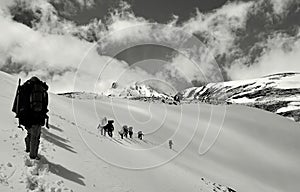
column 216, row 148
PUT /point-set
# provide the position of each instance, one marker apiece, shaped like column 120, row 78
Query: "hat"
column 34, row 78
column 110, row 121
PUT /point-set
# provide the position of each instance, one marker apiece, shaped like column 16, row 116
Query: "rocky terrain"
column 278, row 93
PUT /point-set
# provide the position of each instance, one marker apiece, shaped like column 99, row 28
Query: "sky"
column 86, row 45
column 160, row 11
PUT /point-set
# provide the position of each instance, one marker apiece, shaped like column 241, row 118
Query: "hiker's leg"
column 35, row 140
column 27, row 140
column 38, row 139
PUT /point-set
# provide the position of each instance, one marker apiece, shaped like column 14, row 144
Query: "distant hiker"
column 125, row 129
column 177, row 98
column 109, row 127
column 170, row 144
column 101, row 125
column 130, row 131
column 114, row 85
column 140, row 135
column 30, row 106
column 121, row 133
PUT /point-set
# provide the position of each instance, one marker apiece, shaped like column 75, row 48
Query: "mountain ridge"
column 277, row 93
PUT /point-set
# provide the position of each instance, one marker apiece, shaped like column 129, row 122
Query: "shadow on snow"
column 61, row 171
column 56, row 140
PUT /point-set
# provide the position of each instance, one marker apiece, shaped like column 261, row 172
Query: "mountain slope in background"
column 146, row 91
column 279, row 93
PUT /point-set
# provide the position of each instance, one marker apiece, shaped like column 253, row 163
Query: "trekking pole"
column 47, row 122
column 17, row 108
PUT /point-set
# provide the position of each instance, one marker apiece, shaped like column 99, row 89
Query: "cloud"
column 56, row 58
column 217, row 32
column 280, row 7
column 54, row 46
column 208, row 47
column 282, row 54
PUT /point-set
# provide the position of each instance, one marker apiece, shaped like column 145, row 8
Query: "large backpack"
column 38, row 98
column 31, row 102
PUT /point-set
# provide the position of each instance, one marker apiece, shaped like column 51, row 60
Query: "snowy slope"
column 279, row 93
column 248, row 154
column 80, row 95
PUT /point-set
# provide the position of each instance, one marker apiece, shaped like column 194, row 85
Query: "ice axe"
column 17, row 104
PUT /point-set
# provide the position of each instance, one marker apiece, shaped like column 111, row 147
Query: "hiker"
column 121, row 133
column 30, row 106
column 140, row 135
column 125, row 129
column 130, row 131
column 109, row 128
column 101, row 125
column 170, row 144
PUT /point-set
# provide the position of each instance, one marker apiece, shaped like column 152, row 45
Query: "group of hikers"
column 31, row 108
column 106, row 126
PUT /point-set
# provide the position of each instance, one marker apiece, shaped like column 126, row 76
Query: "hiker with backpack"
column 171, row 144
column 30, row 106
column 125, row 129
column 121, row 133
column 140, row 135
column 109, row 127
column 130, row 131
column 101, row 125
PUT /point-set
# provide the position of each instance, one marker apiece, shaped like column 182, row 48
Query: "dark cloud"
column 22, row 12
column 161, row 11
column 261, row 24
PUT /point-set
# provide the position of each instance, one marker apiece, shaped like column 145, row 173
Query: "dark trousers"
column 140, row 137
column 32, row 140
column 130, row 134
column 110, row 133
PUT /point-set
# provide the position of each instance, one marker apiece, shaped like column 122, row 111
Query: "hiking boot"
column 35, row 158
